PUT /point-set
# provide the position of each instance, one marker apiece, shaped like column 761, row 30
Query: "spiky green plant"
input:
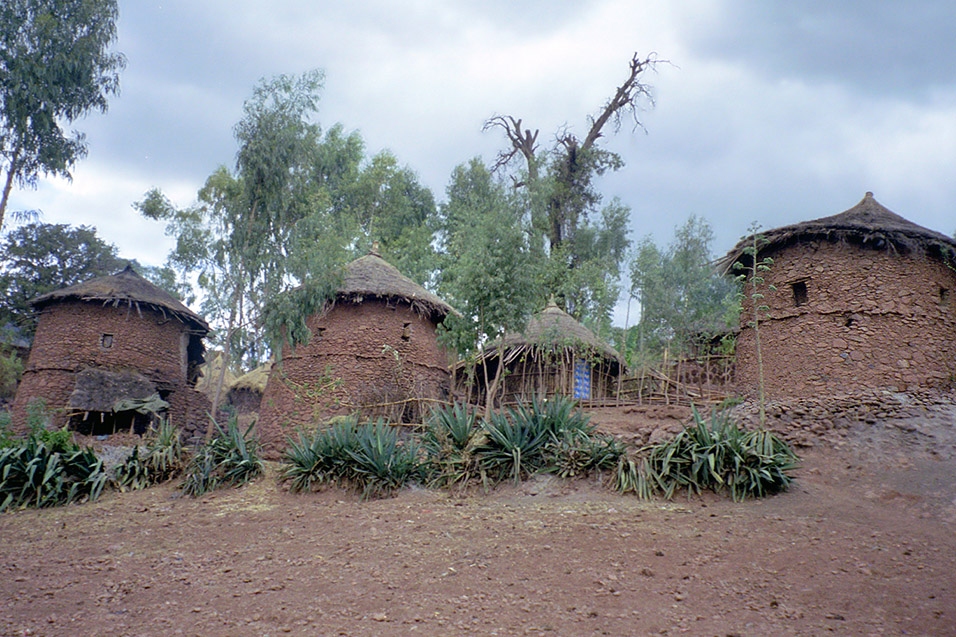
column 319, row 458
column 713, row 455
column 513, row 448
column 450, row 442
column 159, row 460
column 382, row 464
column 230, row 458
column 34, row 474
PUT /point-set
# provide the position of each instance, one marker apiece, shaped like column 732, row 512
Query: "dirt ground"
column 864, row 543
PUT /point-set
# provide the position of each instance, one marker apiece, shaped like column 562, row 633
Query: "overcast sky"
column 774, row 112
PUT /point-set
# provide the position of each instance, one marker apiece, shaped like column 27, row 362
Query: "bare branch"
column 524, row 142
column 626, row 99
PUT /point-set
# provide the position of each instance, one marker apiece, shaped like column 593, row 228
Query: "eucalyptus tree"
column 55, row 66
column 489, row 271
column 584, row 241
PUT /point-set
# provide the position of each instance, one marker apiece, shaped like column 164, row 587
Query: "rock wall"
column 72, row 336
column 845, row 318
column 359, row 357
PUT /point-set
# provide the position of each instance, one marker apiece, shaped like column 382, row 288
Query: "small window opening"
column 943, row 295
column 799, row 293
column 406, row 331
column 321, row 332
column 849, row 321
column 106, row 341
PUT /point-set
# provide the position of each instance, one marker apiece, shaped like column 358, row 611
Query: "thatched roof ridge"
column 254, row 380
column 373, row 276
column 867, row 223
column 126, row 287
column 553, row 326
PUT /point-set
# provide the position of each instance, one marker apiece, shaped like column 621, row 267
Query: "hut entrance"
column 101, row 423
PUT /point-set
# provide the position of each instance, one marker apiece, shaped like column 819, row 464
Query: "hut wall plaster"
column 360, row 354
column 848, row 318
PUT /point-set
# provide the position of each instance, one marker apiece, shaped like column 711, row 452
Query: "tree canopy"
column 55, row 65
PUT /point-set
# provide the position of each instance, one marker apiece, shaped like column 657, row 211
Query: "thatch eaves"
column 372, row 276
column 868, row 223
column 126, row 287
column 555, row 328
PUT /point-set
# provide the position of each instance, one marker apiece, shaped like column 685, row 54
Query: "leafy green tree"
column 55, row 66
column 489, row 272
column 584, row 241
column 681, row 295
column 38, row 258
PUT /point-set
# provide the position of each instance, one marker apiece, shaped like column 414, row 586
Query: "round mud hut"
column 555, row 355
column 861, row 300
column 111, row 355
column 245, row 392
column 373, row 351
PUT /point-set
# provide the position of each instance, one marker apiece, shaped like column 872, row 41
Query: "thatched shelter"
column 112, row 353
column 245, row 393
column 863, row 299
column 373, row 350
column 554, row 355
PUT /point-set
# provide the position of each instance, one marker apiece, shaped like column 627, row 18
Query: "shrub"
column 159, row 460
column 450, row 442
column 368, row 457
column 319, row 458
column 545, row 435
column 714, row 455
column 33, row 473
column 11, row 369
column 231, row 458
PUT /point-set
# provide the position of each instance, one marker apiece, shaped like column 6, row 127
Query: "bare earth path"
column 865, row 543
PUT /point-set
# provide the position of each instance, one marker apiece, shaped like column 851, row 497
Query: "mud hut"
column 113, row 353
column 863, row 300
column 373, row 350
column 245, row 392
column 554, row 355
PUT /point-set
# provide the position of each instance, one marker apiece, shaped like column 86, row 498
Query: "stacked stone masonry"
column 848, row 318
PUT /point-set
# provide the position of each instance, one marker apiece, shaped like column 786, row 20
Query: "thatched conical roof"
column 254, row 380
column 372, row 276
column 553, row 327
column 867, row 223
column 126, row 287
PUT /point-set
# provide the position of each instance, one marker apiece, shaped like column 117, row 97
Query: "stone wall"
column 845, row 318
column 359, row 357
column 75, row 335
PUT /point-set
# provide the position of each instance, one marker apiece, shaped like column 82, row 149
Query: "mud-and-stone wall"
column 368, row 357
column 846, row 318
column 74, row 335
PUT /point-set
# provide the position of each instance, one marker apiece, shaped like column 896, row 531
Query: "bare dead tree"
column 574, row 162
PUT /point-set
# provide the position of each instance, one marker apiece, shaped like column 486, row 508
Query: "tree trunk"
column 226, row 351
column 8, row 186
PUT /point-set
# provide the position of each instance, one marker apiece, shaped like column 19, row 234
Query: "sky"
column 767, row 112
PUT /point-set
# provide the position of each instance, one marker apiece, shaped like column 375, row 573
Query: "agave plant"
column 231, row 458
column 34, row 474
column 159, row 460
column 319, row 458
column 381, row 463
column 450, row 442
column 717, row 455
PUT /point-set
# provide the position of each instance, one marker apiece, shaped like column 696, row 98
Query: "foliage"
column 450, row 443
column 368, row 457
column 159, row 460
column 34, row 473
column 55, row 67
column 551, row 435
column 229, row 458
column 714, row 455
column 681, row 295
column 488, row 272
column 11, row 369
column 6, row 435
column 581, row 243
column 40, row 257
column 752, row 270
